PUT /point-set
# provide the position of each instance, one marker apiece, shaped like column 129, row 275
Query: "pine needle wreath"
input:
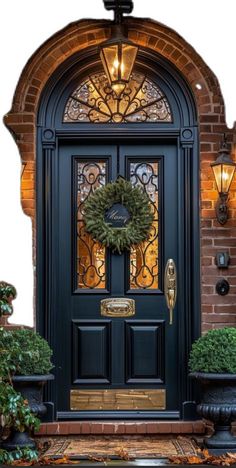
column 134, row 200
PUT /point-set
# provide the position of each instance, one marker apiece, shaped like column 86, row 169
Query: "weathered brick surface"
column 120, row 427
column 216, row 311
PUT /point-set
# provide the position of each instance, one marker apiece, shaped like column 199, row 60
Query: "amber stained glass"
column 144, row 257
column 91, row 256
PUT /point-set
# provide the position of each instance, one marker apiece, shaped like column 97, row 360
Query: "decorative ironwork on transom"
column 94, row 101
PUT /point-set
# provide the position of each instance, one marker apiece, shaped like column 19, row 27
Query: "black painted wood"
column 91, row 351
column 145, row 345
column 138, row 353
column 53, row 314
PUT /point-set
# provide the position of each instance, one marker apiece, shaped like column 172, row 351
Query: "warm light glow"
column 118, row 88
column 225, row 176
column 118, row 58
column 117, row 66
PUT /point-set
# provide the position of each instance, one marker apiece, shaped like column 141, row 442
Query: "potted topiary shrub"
column 7, row 294
column 213, row 363
column 16, row 420
column 26, row 362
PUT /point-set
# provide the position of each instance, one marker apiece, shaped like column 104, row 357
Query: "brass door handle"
column 170, row 286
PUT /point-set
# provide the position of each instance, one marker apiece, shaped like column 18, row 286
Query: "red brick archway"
column 21, row 121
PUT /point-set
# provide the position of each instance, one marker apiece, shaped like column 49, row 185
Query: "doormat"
column 114, row 447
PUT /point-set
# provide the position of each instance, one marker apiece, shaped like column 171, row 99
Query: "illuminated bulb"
column 116, row 64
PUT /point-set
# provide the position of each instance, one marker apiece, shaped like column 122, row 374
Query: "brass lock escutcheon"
column 117, row 307
column 170, row 286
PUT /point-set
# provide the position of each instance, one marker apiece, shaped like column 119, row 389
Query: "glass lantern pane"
column 129, row 53
column 227, row 176
column 109, row 55
column 217, row 174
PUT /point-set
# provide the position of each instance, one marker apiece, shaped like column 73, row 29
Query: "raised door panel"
column 145, row 356
column 91, row 351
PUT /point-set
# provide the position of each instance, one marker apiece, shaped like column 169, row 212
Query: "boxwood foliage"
column 24, row 352
column 134, row 200
column 215, row 352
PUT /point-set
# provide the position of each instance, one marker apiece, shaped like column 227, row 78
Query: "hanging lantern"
column 118, row 56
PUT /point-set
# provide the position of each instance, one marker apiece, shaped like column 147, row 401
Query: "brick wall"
column 217, row 311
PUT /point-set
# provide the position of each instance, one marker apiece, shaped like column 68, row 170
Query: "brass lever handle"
column 170, row 286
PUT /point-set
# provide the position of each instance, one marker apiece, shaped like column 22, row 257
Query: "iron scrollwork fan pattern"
column 94, row 101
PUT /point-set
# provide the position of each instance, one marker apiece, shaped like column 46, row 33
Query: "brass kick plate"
column 117, row 307
column 130, row 400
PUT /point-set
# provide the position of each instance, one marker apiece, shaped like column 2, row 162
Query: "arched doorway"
column 109, row 366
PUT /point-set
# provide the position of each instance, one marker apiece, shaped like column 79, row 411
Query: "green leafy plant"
column 134, row 200
column 14, row 411
column 15, row 414
column 23, row 352
column 215, row 352
column 7, row 294
column 22, row 455
column 8, row 351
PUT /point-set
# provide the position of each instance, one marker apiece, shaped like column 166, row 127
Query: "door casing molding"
column 50, row 135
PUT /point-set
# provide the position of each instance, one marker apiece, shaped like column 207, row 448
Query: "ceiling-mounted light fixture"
column 223, row 169
column 118, row 53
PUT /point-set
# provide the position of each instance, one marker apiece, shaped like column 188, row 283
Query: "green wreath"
column 136, row 202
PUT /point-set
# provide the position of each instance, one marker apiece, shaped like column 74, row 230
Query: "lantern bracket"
column 222, row 208
column 119, row 7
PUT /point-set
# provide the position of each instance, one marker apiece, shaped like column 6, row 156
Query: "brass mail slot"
column 130, row 400
column 118, row 307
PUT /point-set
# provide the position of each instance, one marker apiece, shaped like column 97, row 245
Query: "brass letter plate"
column 118, row 307
column 130, row 400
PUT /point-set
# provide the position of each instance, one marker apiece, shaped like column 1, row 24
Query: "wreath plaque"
column 118, row 215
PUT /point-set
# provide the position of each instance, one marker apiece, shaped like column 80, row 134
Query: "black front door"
column 115, row 364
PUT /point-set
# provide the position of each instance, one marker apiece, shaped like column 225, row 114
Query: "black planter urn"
column 218, row 405
column 19, row 440
column 31, row 389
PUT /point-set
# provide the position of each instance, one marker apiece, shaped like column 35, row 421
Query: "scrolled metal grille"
column 144, row 257
column 94, row 101
column 91, row 256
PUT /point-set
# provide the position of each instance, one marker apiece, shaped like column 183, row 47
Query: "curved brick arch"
column 79, row 35
column 211, row 115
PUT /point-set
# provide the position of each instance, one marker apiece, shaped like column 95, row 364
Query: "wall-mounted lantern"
column 223, row 169
column 118, row 53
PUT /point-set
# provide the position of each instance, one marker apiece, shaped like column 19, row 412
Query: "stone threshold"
column 121, row 427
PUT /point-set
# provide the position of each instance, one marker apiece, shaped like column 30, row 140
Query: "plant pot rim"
column 32, row 378
column 212, row 376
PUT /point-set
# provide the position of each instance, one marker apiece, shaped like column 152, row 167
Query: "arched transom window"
column 94, row 101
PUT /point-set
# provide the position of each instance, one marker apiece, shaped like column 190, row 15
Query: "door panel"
column 145, row 352
column 135, row 355
column 91, row 352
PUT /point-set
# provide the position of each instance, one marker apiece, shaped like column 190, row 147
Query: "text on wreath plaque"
column 117, row 216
